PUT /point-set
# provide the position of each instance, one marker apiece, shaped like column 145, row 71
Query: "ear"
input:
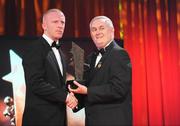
column 112, row 29
column 44, row 26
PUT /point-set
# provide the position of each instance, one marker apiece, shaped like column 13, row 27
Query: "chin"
column 59, row 36
column 99, row 44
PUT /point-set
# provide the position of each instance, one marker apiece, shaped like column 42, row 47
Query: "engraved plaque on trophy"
column 78, row 64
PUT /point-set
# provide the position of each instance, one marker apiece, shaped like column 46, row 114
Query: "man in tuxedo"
column 45, row 75
column 107, row 90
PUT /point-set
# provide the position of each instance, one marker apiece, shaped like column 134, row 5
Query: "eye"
column 55, row 21
column 101, row 28
column 93, row 29
column 62, row 22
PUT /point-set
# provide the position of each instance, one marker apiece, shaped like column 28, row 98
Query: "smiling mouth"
column 99, row 37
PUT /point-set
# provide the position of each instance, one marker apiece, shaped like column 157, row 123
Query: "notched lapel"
column 63, row 63
column 102, row 60
column 99, row 65
column 52, row 60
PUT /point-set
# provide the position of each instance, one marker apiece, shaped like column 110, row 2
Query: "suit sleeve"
column 33, row 64
column 118, row 84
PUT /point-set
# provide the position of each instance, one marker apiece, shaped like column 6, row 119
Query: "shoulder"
column 120, row 55
column 36, row 47
column 119, row 51
column 39, row 44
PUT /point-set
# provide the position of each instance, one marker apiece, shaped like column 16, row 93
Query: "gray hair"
column 106, row 20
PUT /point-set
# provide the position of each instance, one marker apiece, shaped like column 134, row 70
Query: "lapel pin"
column 99, row 65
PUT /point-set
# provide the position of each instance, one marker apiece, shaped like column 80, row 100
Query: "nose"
column 97, row 32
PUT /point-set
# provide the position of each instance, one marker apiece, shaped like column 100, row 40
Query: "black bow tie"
column 54, row 44
column 102, row 51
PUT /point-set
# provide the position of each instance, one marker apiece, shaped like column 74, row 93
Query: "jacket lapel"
column 63, row 64
column 54, row 63
column 100, row 63
column 95, row 70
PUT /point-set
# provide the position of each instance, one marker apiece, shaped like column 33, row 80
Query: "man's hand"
column 71, row 101
column 81, row 89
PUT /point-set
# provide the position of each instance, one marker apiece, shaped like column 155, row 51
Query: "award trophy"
column 78, row 64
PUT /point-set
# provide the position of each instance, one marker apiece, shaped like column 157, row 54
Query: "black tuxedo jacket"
column 109, row 100
column 45, row 86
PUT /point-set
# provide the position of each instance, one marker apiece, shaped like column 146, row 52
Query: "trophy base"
column 72, row 85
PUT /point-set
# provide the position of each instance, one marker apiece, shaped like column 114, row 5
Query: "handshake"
column 71, row 101
column 74, row 88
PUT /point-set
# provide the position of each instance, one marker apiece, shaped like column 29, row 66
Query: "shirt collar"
column 49, row 40
column 108, row 44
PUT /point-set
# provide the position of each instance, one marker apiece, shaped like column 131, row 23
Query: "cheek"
column 108, row 35
column 92, row 35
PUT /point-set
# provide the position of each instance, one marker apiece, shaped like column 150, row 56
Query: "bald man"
column 45, row 75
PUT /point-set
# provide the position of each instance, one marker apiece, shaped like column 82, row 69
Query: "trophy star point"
column 16, row 75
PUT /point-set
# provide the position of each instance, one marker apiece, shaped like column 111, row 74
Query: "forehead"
column 55, row 15
column 98, row 22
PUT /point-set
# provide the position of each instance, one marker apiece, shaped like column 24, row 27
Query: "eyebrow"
column 98, row 26
column 101, row 26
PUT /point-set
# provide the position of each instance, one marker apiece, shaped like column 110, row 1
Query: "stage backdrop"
column 152, row 38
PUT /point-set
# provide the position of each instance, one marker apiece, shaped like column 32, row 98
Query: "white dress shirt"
column 99, row 56
column 56, row 52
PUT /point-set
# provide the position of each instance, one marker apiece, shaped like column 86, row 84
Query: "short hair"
column 106, row 19
column 51, row 10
